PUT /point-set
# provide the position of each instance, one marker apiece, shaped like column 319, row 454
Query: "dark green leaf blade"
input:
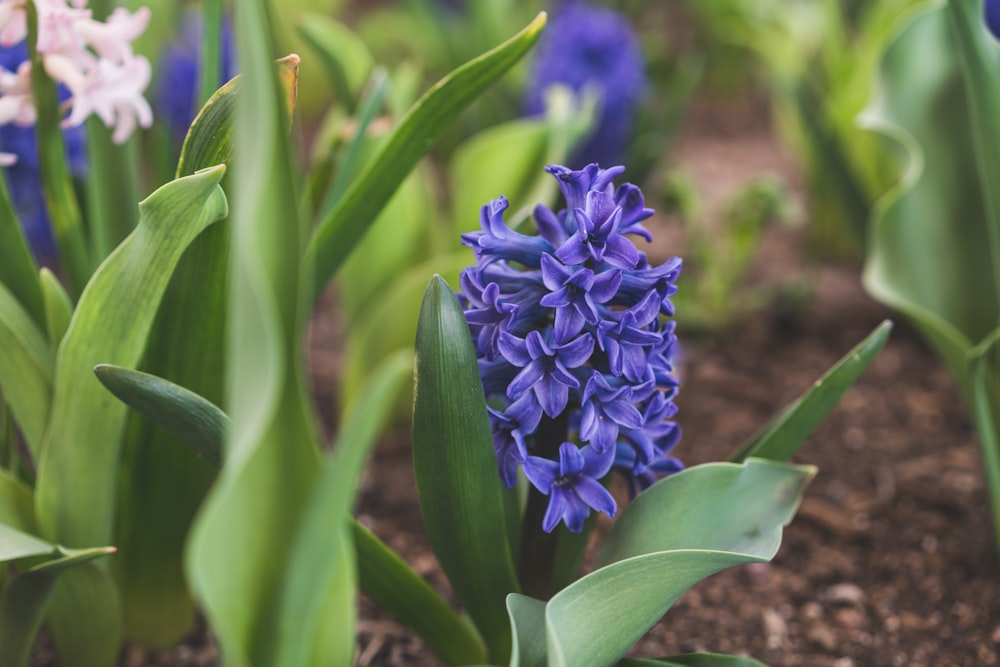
column 455, row 467
column 190, row 418
column 695, row 660
column 781, row 437
column 337, row 233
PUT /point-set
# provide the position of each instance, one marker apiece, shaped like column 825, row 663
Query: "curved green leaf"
column 779, row 439
column 17, row 507
column 26, row 368
column 320, row 573
column 187, row 416
column 527, row 620
column 238, row 548
column 338, row 232
column 395, row 587
column 681, row 530
column 210, row 139
column 455, row 467
column 936, row 214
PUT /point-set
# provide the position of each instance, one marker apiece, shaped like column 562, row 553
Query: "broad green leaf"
column 26, row 368
column 16, row 544
column 17, row 270
column 936, row 213
column 681, row 530
column 694, row 660
column 394, row 586
column 455, row 467
column 163, row 486
column 78, row 467
column 83, row 617
column 318, row 595
column 58, row 307
column 111, row 189
column 985, row 394
column 338, row 232
column 527, row 619
column 779, row 439
column 79, row 463
column 191, row 419
column 237, row 552
column 345, row 56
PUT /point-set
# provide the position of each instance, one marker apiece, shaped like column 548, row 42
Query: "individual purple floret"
column 24, row 182
column 574, row 347
column 589, row 47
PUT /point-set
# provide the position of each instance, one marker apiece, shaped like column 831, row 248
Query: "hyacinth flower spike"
column 575, row 353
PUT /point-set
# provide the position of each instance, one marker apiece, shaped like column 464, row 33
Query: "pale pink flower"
column 111, row 90
column 16, row 103
column 112, row 39
column 7, row 159
column 57, row 29
column 13, row 22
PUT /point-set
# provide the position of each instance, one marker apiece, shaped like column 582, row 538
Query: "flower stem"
column 537, row 557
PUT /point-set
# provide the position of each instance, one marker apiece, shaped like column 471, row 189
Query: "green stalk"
column 112, row 190
column 211, row 57
column 57, row 185
column 536, row 563
column 988, row 437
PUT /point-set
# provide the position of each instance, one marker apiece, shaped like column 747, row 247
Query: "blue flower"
column 575, row 351
column 589, row 47
column 24, row 182
column 176, row 93
column 991, row 14
column 571, row 485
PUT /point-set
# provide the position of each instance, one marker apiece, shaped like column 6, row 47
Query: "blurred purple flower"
column 991, row 14
column 593, row 47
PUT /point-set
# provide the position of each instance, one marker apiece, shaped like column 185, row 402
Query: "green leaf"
column 78, row 466
column 210, row 139
column 694, row 660
column 318, row 595
column 681, row 530
column 337, row 233
column 395, row 587
column 779, row 439
column 26, row 368
column 17, row 270
column 237, row 552
column 187, row 416
column 527, row 619
column 345, row 56
column 58, row 307
column 455, row 467
column 937, row 212
column 83, row 617
column 17, row 507
column 79, row 463
column 25, row 600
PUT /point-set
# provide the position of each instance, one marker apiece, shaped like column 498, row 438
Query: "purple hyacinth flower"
column 597, row 237
column 573, row 344
column 591, row 48
column 991, row 15
column 497, row 241
column 575, row 295
column 605, row 410
column 571, row 485
column 545, row 367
